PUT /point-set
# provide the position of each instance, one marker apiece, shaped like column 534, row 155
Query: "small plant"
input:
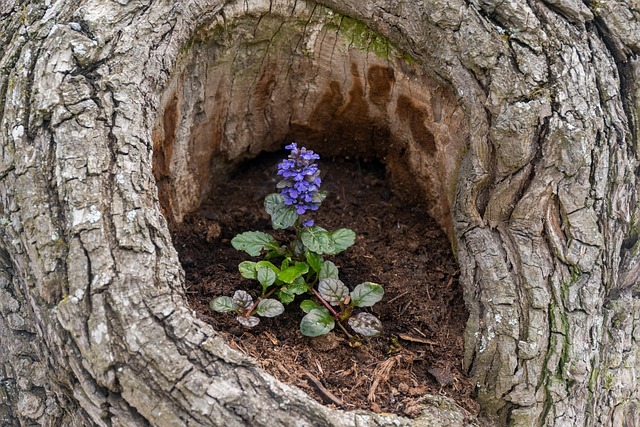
column 299, row 267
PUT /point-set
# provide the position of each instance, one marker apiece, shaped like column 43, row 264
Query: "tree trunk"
column 516, row 121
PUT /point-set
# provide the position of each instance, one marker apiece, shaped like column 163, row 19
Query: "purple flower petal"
column 301, row 179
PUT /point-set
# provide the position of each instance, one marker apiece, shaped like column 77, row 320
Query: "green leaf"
column 267, row 264
column 242, row 300
column 308, row 305
column 298, row 287
column 321, row 241
column 253, row 242
column 269, row 308
column 366, row 294
column 272, row 202
column 247, row 269
column 317, row 322
column 328, row 271
column 287, row 293
column 266, row 277
column 366, row 324
column 297, row 248
column 289, row 274
column 285, row 264
column 333, row 291
column 314, row 260
column 317, row 240
column 285, row 297
column 282, row 216
column 249, row 322
column 222, row 304
column 276, row 254
column 319, row 196
column 342, row 239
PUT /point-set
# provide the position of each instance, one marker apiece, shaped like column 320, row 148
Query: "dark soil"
column 398, row 246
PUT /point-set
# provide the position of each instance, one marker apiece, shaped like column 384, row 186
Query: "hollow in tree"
column 516, row 121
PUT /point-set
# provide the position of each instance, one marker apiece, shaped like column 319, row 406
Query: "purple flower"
column 307, row 223
column 301, row 179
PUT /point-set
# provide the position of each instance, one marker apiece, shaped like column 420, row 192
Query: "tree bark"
column 542, row 210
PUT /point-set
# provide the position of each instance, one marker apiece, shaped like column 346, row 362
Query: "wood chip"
column 375, row 407
column 412, row 410
column 412, row 338
column 323, row 390
column 271, row 337
column 418, row 391
column 213, row 232
column 442, row 375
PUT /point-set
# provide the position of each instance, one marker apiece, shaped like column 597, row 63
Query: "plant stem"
column 343, row 329
column 255, row 304
column 292, row 244
column 335, row 315
column 325, row 303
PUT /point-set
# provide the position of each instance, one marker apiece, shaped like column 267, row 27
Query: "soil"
column 397, row 245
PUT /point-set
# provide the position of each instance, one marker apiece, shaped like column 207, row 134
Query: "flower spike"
column 301, row 179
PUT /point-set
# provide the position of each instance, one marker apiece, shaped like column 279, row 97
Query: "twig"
column 381, row 373
column 397, row 297
column 238, row 347
column 322, row 389
column 416, row 339
column 404, row 308
column 420, row 332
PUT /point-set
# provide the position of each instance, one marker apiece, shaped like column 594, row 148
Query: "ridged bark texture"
column 544, row 221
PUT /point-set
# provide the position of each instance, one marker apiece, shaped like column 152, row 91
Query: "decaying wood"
column 101, row 102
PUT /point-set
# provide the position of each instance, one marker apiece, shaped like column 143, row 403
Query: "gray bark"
column 101, row 100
